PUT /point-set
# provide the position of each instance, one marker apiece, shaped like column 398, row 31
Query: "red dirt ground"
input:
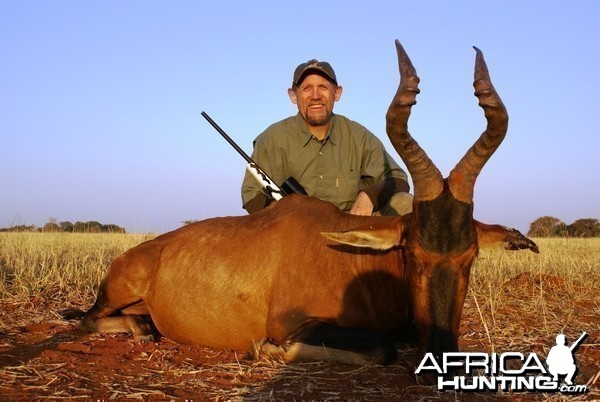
column 45, row 357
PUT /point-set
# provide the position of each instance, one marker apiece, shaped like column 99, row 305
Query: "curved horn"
column 462, row 178
column 426, row 177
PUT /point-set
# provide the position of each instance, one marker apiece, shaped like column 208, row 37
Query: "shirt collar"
column 332, row 135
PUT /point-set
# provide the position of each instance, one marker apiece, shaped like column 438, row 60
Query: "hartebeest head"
column 439, row 239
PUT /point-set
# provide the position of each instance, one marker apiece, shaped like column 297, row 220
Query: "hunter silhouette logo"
column 509, row 371
column 560, row 359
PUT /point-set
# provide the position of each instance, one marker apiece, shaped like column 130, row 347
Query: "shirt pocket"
column 347, row 185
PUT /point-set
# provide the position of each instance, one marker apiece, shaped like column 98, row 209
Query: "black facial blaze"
column 442, row 289
column 445, row 224
column 442, row 300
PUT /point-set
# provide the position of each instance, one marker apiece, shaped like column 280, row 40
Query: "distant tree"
column 110, row 228
column 66, row 226
column 51, row 226
column 562, row 230
column 546, row 226
column 189, row 221
column 587, row 227
column 78, row 227
column 21, row 228
column 87, row 227
column 94, row 227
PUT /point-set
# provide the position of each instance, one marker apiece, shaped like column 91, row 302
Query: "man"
column 333, row 158
column 560, row 360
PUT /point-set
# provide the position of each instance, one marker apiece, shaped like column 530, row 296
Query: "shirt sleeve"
column 253, row 195
column 381, row 175
column 258, row 203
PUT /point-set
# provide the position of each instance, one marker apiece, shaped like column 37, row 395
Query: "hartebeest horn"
column 462, row 178
column 427, row 179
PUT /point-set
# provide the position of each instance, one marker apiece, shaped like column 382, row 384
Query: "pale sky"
column 100, row 101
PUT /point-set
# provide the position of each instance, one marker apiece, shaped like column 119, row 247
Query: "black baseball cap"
column 320, row 67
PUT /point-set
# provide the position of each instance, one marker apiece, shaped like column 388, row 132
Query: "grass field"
column 43, row 264
column 518, row 301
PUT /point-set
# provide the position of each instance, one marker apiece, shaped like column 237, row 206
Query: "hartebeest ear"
column 378, row 236
column 489, row 236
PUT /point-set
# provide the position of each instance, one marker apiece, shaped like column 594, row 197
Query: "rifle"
column 576, row 343
column 290, row 186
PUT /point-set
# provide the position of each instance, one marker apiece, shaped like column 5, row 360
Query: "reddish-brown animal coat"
column 262, row 275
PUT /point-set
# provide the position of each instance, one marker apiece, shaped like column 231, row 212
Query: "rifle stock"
column 290, row 186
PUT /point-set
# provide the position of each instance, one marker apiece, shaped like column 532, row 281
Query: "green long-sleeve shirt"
column 350, row 159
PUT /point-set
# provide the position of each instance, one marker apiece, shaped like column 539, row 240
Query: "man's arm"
column 362, row 205
column 386, row 175
column 380, row 192
column 254, row 198
column 258, row 203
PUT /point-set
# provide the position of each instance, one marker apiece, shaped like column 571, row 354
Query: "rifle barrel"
column 576, row 343
column 229, row 140
column 272, row 187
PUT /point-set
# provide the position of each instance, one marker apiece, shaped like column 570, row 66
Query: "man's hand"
column 362, row 205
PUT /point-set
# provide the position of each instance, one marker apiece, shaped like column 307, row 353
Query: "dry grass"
column 33, row 264
column 550, row 292
column 518, row 301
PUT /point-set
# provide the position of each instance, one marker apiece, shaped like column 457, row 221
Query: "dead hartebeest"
column 303, row 280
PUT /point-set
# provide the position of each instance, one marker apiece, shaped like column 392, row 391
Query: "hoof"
column 144, row 338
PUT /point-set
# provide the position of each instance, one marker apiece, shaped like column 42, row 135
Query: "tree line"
column 549, row 226
column 68, row 227
column 546, row 226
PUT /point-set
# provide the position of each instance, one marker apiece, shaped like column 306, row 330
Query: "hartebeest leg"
column 121, row 291
column 323, row 341
column 98, row 318
column 138, row 326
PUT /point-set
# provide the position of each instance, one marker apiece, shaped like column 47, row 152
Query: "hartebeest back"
column 273, row 283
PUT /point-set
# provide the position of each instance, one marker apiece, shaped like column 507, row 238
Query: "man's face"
column 315, row 97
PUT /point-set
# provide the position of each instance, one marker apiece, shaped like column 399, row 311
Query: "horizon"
column 68, row 222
